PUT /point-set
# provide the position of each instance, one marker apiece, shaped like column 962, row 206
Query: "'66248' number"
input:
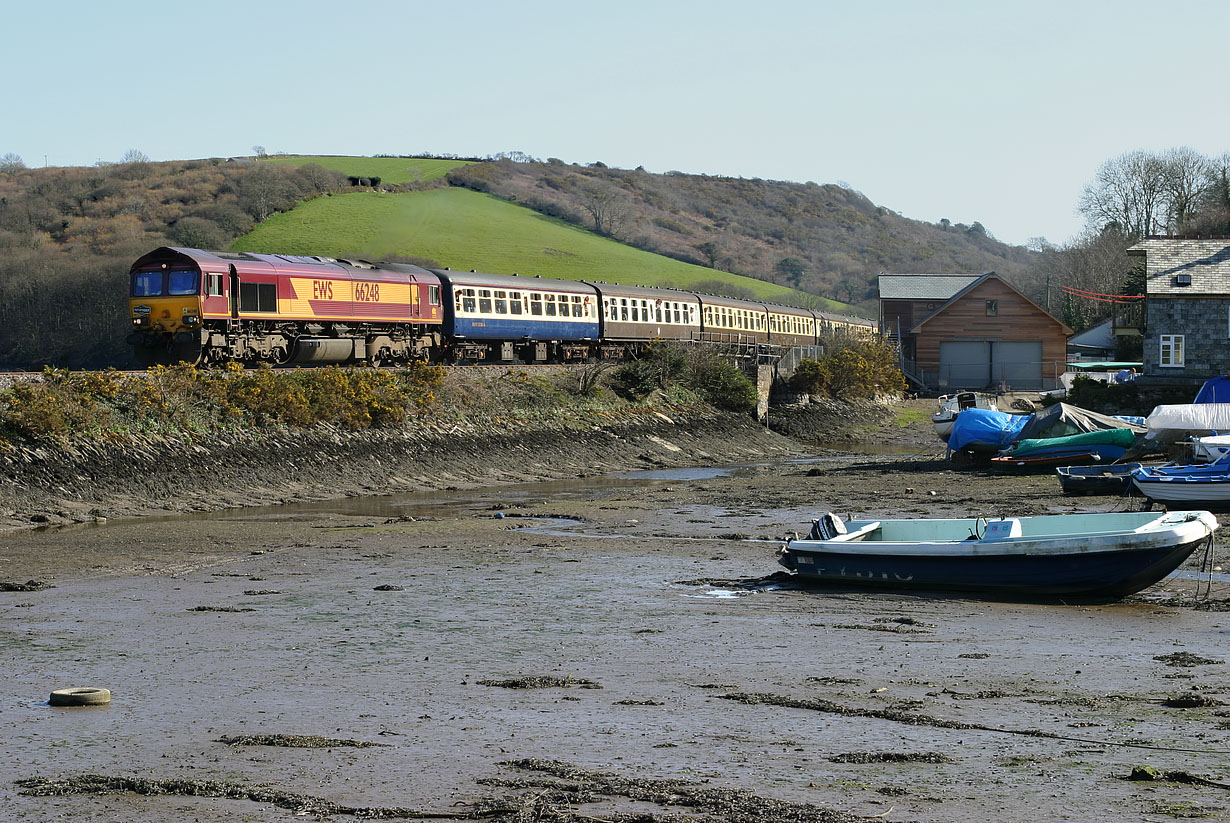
column 367, row 292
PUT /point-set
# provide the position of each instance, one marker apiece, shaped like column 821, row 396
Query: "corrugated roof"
column 923, row 286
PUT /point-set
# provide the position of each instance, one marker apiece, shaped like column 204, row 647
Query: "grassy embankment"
column 388, row 169
column 463, row 229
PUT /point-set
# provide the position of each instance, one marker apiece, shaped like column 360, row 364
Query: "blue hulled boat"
column 1204, row 484
column 1071, row 556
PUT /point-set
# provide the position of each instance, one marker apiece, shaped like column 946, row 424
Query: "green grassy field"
column 464, row 230
column 388, row 169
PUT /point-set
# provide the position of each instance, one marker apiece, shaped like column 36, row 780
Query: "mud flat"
column 612, row 648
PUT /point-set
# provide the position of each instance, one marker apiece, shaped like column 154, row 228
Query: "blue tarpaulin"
column 1215, row 390
column 985, row 430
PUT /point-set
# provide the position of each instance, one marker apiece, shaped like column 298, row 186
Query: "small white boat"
column 950, row 405
column 1106, row 555
column 1206, row 484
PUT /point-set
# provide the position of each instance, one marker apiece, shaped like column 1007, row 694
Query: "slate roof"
column 923, row 286
column 1205, row 260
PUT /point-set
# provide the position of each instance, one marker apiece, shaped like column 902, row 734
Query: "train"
column 214, row 307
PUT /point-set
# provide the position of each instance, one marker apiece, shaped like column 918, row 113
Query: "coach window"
column 468, row 303
column 578, row 308
column 549, row 300
column 636, row 312
column 501, row 302
column 536, row 305
column 514, row 303
column 484, row 301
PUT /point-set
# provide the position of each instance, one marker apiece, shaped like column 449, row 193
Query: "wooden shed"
column 987, row 335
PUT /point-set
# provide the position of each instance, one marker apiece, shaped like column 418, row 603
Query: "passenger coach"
column 507, row 317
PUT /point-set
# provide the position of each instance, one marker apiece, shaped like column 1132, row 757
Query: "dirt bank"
column 488, row 428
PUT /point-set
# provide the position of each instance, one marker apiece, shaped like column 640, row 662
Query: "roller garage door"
column 1017, row 364
column 976, row 364
column 965, row 364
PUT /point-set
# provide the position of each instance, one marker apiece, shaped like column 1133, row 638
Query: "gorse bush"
column 662, row 365
column 864, row 369
column 182, row 398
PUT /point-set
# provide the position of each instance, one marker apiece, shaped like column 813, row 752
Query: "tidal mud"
column 728, row 693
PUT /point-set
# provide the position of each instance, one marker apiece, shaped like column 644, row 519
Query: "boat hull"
column 1115, row 479
column 1100, row 556
column 1104, row 575
column 1212, row 495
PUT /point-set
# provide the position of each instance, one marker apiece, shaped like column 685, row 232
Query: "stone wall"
column 1204, row 323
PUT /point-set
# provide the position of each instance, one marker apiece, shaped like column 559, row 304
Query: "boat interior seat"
column 858, row 534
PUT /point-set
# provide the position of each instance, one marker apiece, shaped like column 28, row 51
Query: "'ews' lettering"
column 367, row 292
column 322, row 290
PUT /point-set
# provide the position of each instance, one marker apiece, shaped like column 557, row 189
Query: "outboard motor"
column 826, row 527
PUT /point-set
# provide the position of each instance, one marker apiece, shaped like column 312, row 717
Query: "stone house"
column 1187, row 307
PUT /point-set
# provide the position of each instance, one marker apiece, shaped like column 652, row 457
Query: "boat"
column 1210, row 448
column 950, row 405
column 1207, row 484
column 1104, row 445
column 1114, row 479
column 1088, row 556
column 1045, row 461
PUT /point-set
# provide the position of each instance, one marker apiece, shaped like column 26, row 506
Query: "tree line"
column 1177, row 191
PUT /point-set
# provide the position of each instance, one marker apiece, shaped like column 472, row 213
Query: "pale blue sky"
column 982, row 111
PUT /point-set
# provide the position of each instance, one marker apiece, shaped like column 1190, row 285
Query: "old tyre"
column 81, row 696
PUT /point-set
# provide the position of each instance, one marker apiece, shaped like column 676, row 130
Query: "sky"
column 984, row 111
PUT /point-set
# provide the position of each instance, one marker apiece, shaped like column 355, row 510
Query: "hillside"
column 69, row 234
column 841, row 239
column 462, row 229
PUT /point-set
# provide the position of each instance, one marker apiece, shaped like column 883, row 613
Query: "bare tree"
column 607, row 208
column 11, row 163
column 1187, row 175
column 1128, row 191
column 135, row 163
column 260, row 152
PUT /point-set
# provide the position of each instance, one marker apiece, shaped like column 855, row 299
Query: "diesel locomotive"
column 213, row 307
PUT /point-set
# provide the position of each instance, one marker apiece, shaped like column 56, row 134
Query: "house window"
column 992, row 308
column 1171, row 351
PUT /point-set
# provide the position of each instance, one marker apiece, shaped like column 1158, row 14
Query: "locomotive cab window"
column 213, row 285
column 433, row 295
column 146, row 283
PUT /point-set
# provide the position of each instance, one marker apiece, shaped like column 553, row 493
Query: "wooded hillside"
column 825, row 239
column 69, row 235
